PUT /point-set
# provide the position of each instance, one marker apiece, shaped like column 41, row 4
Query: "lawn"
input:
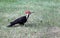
column 43, row 23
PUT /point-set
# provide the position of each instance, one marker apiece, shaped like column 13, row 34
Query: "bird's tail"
column 10, row 25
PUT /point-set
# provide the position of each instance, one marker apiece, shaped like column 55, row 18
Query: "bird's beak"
column 32, row 12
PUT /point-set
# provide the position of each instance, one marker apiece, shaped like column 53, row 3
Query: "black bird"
column 22, row 20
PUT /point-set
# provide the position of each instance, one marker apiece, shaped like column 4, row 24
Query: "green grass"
column 41, row 24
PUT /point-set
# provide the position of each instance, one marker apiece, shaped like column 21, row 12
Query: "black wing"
column 21, row 20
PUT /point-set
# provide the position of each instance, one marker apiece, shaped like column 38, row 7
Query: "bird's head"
column 27, row 12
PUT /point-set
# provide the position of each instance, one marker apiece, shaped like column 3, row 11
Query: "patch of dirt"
column 53, row 32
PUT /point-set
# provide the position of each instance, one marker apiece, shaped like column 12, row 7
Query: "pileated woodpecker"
column 22, row 20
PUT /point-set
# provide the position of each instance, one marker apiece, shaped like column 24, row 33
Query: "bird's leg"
column 21, row 24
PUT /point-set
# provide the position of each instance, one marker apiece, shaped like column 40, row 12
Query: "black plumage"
column 22, row 20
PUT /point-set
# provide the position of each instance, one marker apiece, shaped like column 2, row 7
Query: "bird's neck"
column 27, row 16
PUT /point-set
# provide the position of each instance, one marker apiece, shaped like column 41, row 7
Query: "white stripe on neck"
column 26, row 15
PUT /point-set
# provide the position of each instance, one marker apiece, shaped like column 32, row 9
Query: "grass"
column 43, row 23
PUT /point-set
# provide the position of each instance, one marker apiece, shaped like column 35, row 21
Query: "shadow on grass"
column 17, row 25
column 26, row 25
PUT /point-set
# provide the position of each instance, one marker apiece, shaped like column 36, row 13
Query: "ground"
column 43, row 23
